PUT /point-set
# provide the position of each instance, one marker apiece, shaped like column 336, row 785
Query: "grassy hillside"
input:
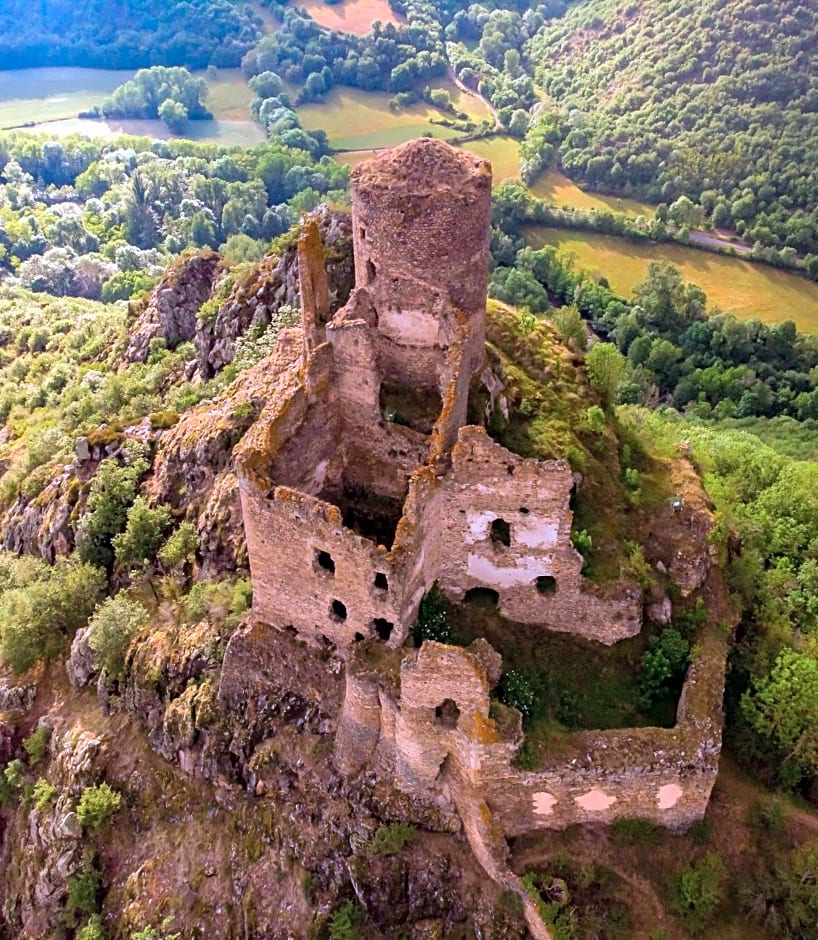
column 714, row 101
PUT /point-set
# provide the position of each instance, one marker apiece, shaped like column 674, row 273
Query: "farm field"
column 734, row 286
column 63, row 92
column 351, row 16
column 555, row 187
column 53, row 93
column 361, row 120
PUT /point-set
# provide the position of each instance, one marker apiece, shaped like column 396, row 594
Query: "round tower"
column 421, row 212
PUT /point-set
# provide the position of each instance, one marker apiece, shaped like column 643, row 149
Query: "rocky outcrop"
column 258, row 292
column 171, row 310
column 49, row 839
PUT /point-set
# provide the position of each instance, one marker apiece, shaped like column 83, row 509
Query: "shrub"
column 388, row 840
column 113, row 490
column 180, row 546
column 664, row 661
column 347, row 923
column 433, row 618
column 145, row 530
column 44, row 605
column 36, row 745
column 92, row 930
column 697, row 891
column 43, row 793
column 83, row 893
column 97, row 805
column 636, row 831
column 114, row 624
column 522, row 690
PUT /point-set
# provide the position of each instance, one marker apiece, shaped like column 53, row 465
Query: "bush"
column 697, row 891
column 180, row 547
column 114, row 624
column 36, row 745
column 97, row 805
column 43, row 793
column 113, row 490
column 389, row 840
column 83, row 893
column 93, row 930
column 145, row 530
column 663, row 663
column 636, row 831
column 433, row 618
column 42, row 606
column 522, row 690
column 347, row 923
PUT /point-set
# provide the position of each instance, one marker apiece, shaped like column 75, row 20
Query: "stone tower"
column 421, row 213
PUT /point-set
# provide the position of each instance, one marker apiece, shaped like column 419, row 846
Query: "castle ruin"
column 362, row 484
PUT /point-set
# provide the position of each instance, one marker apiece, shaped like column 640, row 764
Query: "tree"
column 113, row 490
column 606, row 368
column 782, row 708
column 174, row 114
column 114, row 624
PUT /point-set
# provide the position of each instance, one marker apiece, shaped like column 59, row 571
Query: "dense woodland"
column 123, row 34
column 714, row 101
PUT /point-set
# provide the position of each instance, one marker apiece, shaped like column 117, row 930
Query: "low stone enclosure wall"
column 430, row 718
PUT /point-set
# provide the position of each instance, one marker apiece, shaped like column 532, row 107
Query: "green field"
column 49, row 94
column 361, row 120
column 50, row 99
column 556, row 188
column 740, row 287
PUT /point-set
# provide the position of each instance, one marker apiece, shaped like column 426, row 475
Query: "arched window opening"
column 447, row 714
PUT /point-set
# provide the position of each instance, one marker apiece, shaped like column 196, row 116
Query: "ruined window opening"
column 510, row 470
column 546, row 585
column 383, row 628
column 359, row 637
column 524, row 510
column 380, row 581
column 338, row 611
column 362, row 230
column 447, row 714
column 367, row 513
column 324, row 561
column 500, row 532
column 481, row 597
column 371, row 271
column 415, row 408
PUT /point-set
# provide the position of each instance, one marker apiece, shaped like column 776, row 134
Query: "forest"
column 714, row 101
column 122, row 34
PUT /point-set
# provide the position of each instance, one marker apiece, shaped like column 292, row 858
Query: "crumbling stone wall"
column 509, row 529
column 442, row 735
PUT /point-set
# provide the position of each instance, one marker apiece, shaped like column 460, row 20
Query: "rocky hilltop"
column 301, row 719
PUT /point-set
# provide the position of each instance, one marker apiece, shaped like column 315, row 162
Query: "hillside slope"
column 716, row 101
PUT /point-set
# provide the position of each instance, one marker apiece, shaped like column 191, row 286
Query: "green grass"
column 555, row 187
column 361, row 120
column 564, row 663
column 735, row 286
column 504, row 153
column 49, row 94
column 52, row 98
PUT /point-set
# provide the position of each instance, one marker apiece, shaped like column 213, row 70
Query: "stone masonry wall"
column 537, row 576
